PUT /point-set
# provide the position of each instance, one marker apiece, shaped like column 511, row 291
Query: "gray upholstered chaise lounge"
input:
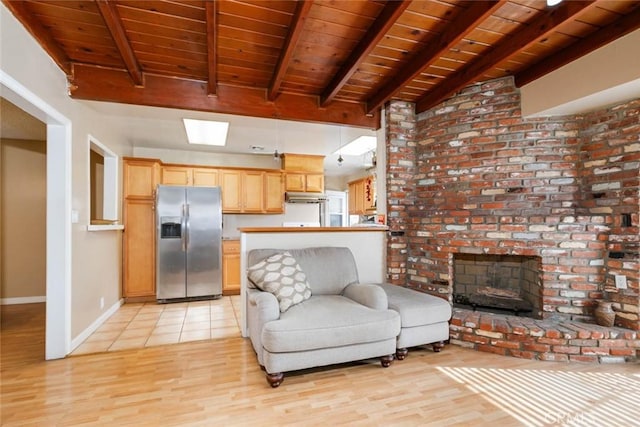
column 342, row 321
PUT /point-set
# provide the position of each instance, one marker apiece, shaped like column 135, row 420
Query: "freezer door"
column 171, row 227
column 204, row 241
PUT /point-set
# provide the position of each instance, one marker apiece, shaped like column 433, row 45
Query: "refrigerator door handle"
column 188, row 228
column 183, row 227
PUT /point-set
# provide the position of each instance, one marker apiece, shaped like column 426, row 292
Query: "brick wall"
column 473, row 176
column 400, row 133
column 610, row 172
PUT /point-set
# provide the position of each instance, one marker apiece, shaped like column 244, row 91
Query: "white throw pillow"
column 281, row 275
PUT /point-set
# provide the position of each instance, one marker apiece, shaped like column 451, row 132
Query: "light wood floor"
column 218, row 382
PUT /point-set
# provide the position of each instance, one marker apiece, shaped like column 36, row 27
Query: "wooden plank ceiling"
column 331, row 61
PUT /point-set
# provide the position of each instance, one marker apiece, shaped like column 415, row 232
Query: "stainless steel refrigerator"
column 189, row 241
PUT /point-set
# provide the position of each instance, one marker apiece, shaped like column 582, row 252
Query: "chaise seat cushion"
column 326, row 321
column 416, row 308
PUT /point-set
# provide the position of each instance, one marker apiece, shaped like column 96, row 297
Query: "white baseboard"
column 22, row 300
column 95, row 325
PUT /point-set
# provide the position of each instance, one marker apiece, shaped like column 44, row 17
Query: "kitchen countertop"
column 312, row 229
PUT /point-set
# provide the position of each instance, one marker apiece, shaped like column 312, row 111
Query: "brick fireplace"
column 472, row 178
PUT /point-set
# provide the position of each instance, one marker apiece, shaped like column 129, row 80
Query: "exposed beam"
column 462, row 25
column 112, row 85
column 111, row 17
column 544, row 24
column 609, row 33
column 212, row 46
column 29, row 20
column 295, row 30
column 385, row 20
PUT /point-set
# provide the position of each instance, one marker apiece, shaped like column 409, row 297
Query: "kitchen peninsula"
column 368, row 245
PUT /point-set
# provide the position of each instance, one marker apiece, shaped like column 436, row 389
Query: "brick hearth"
column 472, row 176
column 560, row 341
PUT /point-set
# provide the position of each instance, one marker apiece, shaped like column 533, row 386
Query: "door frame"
column 58, row 223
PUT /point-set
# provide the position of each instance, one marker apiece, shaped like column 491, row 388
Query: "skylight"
column 206, row 132
column 358, row 146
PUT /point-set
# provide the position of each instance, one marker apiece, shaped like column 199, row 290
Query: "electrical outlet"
column 621, row 281
column 101, row 303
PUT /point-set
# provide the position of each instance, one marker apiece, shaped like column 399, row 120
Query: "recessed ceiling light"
column 551, row 3
column 358, row 146
column 206, row 132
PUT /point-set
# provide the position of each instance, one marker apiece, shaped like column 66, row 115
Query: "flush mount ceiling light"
column 206, row 132
column 358, row 146
column 551, row 3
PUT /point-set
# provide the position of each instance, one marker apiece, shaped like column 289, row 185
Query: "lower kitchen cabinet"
column 230, row 267
column 139, row 264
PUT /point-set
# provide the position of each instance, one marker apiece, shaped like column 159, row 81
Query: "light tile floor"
column 148, row 324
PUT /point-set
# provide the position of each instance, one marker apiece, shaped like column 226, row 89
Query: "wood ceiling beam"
column 605, row 35
column 31, row 23
column 212, row 46
column 383, row 23
column 539, row 28
column 462, row 25
column 112, row 85
column 295, row 31
column 112, row 19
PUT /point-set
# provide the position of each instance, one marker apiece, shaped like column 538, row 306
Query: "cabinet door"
column 352, row 198
column 369, row 194
column 314, row 183
column 273, row 192
column 176, row 175
column 230, row 267
column 253, row 191
column 139, row 249
column 205, row 177
column 140, row 178
column 295, row 182
column 356, row 197
column 231, row 183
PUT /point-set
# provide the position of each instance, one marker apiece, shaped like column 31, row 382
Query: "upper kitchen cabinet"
column 362, row 197
column 189, row 176
column 303, row 172
column 140, row 177
column 242, row 190
column 273, row 192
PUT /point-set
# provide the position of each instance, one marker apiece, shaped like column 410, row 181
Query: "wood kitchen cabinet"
column 362, row 196
column 189, row 176
column 273, row 192
column 139, row 279
column 242, row 191
column 140, row 178
column 230, row 267
column 304, row 173
column 304, row 182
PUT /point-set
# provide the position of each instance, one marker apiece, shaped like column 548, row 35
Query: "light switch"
column 75, row 217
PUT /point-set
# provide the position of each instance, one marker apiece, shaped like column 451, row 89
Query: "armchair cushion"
column 281, row 275
column 328, row 321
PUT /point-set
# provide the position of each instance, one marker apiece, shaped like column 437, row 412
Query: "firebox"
column 498, row 283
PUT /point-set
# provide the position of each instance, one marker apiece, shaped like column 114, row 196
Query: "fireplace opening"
column 508, row 284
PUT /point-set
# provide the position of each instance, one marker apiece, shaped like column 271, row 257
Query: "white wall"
column 23, row 243
column 606, row 76
column 95, row 256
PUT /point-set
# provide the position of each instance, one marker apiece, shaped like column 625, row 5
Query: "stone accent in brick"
column 550, row 340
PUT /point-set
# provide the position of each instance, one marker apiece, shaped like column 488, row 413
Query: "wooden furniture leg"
column 386, row 360
column 401, row 353
column 275, row 380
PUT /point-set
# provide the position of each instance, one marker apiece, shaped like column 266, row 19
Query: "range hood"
column 296, row 197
